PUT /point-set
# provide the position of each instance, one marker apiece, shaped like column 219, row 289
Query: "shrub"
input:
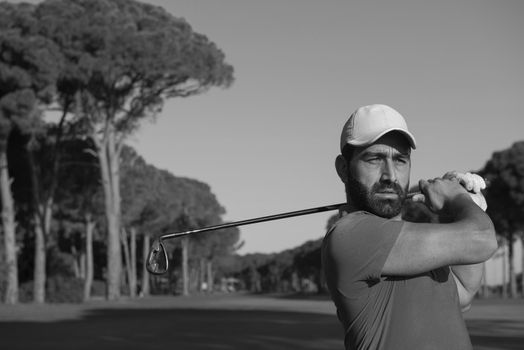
column 59, row 289
column 98, row 289
column 62, row 289
column 25, row 292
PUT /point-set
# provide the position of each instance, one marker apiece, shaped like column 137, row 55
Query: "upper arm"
column 422, row 247
column 354, row 251
column 468, row 279
column 465, row 296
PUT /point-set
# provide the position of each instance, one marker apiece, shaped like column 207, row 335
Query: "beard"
column 363, row 198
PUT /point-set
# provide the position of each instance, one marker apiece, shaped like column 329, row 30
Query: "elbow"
column 482, row 243
column 487, row 242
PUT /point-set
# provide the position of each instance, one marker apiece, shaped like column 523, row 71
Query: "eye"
column 402, row 160
column 373, row 160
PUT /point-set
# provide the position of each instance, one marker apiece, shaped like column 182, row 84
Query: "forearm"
column 469, row 277
column 463, row 209
column 475, row 226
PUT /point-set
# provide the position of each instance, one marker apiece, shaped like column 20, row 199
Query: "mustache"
column 388, row 187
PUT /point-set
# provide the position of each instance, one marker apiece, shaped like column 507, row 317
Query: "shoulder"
column 360, row 221
column 352, row 219
column 361, row 231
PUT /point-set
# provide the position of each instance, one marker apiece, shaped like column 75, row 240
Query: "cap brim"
column 368, row 141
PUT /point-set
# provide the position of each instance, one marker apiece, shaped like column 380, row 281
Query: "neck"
column 350, row 208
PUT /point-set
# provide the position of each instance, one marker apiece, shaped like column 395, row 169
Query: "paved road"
column 217, row 322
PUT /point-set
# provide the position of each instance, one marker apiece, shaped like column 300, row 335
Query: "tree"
column 308, row 262
column 29, row 64
column 79, row 201
column 30, row 167
column 155, row 201
column 210, row 247
column 505, row 195
column 124, row 58
column 195, row 206
column 140, row 200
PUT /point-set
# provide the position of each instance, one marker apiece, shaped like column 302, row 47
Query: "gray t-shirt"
column 386, row 312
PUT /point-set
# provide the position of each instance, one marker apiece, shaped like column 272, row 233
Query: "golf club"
column 158, row 262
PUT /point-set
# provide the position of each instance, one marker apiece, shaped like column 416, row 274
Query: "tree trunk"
column 256, row 284
column 9, row 227
column 504, row 270
column 39, row 273
column 43, row 204
column 185, row 272
column 193, row 278
column 295, row 282
column 108, row 159
column 145, row 274
column 76, row 261
column 522, row 264
column 202, row 284
column 127, row 263
column 88, row 281
column 82, row 264
column 209, row 272
column 512, row 279
column 132, row 260
column 321, row 281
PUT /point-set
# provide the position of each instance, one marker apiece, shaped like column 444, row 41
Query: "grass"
column 218, row 322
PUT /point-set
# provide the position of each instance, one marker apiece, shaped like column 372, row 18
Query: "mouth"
column 387, row 194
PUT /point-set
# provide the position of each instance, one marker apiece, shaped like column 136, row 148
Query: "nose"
column 389, row 174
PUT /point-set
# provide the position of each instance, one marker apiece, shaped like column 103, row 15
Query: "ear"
column 342, row 168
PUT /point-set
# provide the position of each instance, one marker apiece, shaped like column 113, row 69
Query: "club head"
column 157, row 261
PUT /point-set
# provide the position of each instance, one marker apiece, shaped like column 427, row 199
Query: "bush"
column 25, row 292
column 62, row 289
column 98, row 289
column 3, row 286
column 59, row 289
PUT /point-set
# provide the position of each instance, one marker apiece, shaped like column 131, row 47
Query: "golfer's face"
column 380, row 173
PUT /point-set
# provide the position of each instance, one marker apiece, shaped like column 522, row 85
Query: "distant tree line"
column 101, row 66
column 299, row 269
column 296, row 270
column 153, row 201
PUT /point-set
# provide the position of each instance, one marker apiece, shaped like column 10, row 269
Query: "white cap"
column 369, row 123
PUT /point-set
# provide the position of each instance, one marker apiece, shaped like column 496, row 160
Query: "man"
column 398, row 284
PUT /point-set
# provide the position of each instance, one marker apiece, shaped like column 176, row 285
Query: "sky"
column 266, row 145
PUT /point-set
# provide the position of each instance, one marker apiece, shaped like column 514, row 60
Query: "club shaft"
column 254, row 220
column 260, row 219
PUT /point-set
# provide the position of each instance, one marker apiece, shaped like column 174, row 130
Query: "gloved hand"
column 473, row 183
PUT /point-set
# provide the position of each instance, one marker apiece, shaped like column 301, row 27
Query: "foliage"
column 64, row 289
column 59, row 289
column 505, row 196
column 29, row 65
column 127, row 57
column 80, row 191
column 123, row 58
column 505, row 193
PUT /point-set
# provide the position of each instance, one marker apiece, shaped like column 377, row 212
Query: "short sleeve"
column 356, row 250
